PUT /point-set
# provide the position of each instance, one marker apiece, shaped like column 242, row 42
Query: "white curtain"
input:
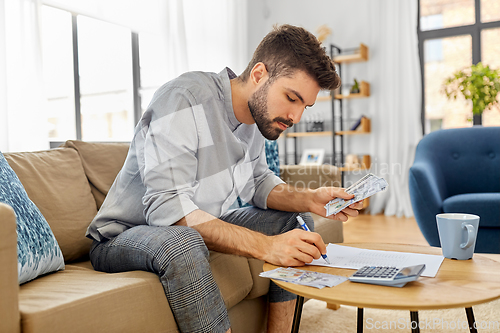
column 23, row 125
column 174, row 28
column 395, row 101
column 216, row 34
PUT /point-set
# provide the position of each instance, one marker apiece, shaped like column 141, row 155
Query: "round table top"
column 458, row 283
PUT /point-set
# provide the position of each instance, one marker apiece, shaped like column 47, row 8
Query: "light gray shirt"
column 188, row 152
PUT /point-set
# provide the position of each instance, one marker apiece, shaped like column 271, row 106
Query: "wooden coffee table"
column 458, row 284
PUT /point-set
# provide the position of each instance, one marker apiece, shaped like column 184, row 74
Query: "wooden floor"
column 367, row 228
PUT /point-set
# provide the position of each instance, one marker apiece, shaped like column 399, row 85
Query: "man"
column 200, row 146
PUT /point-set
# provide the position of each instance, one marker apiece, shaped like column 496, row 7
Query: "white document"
column 355, row 258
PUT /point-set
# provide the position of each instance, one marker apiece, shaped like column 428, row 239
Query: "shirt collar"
column 226, row 75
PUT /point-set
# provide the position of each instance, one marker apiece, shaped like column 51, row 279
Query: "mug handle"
column 471, row 235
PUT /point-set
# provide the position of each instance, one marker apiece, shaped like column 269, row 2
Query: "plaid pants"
column 178, row 255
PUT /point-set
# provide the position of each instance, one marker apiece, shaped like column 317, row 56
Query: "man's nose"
column 295, row 115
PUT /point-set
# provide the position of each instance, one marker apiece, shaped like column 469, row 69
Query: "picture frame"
column 312, row 157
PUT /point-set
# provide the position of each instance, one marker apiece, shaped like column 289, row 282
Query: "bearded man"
column 197, row 148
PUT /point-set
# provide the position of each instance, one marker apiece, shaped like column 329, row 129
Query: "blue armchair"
column 458, row 171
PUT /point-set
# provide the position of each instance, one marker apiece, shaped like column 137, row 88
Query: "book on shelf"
column 357, row 123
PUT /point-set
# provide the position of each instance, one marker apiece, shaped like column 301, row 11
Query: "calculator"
column 387, row 276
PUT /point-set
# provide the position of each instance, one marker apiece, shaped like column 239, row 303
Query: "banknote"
column 362, row 189
column 303, row 277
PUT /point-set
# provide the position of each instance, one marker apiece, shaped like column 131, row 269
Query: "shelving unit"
column 360, row 54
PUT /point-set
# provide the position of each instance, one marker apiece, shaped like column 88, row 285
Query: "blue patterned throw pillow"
column 272, row 156
column 37, row 249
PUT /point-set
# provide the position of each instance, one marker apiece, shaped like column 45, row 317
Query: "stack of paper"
column 354, row 258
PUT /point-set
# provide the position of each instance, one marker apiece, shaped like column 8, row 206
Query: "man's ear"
column 259, row 73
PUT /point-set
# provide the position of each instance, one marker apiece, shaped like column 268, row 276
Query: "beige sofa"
column 68, row 185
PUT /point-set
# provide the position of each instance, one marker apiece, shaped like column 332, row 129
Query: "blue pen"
column 304, row 226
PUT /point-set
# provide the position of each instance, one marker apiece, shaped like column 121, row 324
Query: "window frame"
column 136, row 78
column 474, row 30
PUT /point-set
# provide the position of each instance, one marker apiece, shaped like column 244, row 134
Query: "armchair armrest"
column 311, row 176
column 427, row 192
column 9, row 286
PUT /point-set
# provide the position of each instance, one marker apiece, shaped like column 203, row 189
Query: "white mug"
column 457, row 233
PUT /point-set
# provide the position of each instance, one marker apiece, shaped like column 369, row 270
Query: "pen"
column 304, row 226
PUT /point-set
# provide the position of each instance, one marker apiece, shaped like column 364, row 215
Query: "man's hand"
column 323, row 195
column 294, row 248
column 290, row 199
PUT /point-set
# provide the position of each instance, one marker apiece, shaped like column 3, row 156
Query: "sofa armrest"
column 9, row 286
column 311, row 176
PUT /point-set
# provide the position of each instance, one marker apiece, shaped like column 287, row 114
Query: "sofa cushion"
column 232, row 275
column 82, row 300
column 56, row 183
column 79, row 299
column 485, row 205
column 101, row 162
column 260, row 284
column 37, row 250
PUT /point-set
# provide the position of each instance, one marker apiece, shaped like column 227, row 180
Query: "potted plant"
column 355, row 88
column 478, row 83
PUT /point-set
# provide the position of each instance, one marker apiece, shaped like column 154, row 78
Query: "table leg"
column 414, row 319
column 297, row 314
column 360, row 320
column 471, row 320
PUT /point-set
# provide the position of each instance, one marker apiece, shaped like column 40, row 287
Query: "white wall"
column 350, row 22
column 4, row 138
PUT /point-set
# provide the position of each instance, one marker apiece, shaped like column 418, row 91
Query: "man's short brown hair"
column 288, row 48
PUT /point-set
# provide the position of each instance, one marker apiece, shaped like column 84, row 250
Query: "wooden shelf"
column 364, row 128
column 364, row 91
column 360, row 56
column 303, row 134
column 323, row 98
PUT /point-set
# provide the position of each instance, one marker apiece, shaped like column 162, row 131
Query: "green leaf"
column 477, row 83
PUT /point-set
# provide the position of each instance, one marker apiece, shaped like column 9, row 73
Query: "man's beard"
column 258, row 108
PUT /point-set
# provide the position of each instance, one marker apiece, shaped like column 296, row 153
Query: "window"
column 92, row 72
column 490, row 10
column 105, row 68
column 456, row 53
column 154, row 66
column 58, row 73
column 490, row 51
column 454, row 34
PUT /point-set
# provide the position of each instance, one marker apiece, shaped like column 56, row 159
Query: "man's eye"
column 290, row 99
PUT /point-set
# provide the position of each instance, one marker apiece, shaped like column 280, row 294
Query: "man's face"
column 277, row 105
